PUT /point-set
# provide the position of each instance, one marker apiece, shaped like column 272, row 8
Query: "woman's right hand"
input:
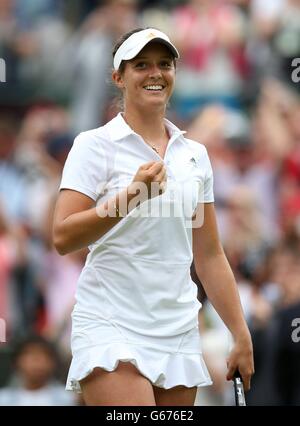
column 150, row 180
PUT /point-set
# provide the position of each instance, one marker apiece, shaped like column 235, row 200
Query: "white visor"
column 137, row 41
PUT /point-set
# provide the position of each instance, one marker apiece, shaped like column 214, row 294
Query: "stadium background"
column 237, row 92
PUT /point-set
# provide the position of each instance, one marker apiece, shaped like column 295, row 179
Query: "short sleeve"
column 85, row 169
column 209, row 180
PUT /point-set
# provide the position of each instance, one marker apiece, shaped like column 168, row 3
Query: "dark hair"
column 22, row 344
column 121, row 41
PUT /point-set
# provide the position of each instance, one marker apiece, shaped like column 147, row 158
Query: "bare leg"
column 179, row 395
column 125, row 386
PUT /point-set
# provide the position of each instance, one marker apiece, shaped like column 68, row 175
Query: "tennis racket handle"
column 239, row 390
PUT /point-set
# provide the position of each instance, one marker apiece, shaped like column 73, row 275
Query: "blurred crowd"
column 235, row 94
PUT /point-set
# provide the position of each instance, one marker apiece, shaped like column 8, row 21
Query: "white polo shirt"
column 138, row 274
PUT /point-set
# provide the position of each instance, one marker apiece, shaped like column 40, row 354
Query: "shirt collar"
column 118, row 129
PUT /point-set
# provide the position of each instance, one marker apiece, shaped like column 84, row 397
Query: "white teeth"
column 154, row 87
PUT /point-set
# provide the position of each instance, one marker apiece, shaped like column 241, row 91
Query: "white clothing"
column 271, row 9
column 165, row 361
column 137, row 275
column 50, row 395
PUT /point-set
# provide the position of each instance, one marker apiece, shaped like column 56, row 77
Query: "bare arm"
column 77, row 222
column 218, row 281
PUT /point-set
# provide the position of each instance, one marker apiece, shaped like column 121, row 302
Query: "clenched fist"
column 150, row 180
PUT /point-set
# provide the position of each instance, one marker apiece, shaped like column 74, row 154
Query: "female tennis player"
column 140, row 196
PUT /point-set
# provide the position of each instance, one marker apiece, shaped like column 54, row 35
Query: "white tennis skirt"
column 165, row 361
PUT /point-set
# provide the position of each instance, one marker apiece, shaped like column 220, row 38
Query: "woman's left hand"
column 241, row 359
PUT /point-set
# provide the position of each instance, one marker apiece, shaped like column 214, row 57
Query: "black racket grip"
column 239, row 392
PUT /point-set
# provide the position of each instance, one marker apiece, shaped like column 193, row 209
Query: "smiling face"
column 147, row 80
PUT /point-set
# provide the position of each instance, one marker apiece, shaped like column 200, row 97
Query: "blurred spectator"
column 290, row 182
column 40, row 171
column 272, row 131
column 31, row 11
column 247, row 250
column 211, row 38
column 12, row 185
column 93, row 61
column 36, row 363
column 277, row 356
column 20, row 297
column 237, row 161
column 8, row 30
column 287, row 38
column 12, row 255
column 29, row 180
column 264, row 23
column 274, row 41
column 31, row 42
column 217, row 342
column 57, row 282
column 59, row 146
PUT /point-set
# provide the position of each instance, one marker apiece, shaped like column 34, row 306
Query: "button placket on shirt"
column 170, row 176
column 167, row 159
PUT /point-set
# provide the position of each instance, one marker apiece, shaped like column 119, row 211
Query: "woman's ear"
column 118, row 79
